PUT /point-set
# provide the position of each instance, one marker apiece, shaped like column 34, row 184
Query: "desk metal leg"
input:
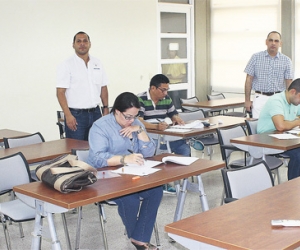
column 203, row 198
column 181, row 195
column 38, row 227
column 37, row 232
column 55, row 241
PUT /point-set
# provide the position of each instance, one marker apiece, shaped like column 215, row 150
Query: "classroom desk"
column 46, row 150
column 244, row 224
column 9, row 133
column 219, row 104
column 259, row 145
column 47, row 200
column 165, row 136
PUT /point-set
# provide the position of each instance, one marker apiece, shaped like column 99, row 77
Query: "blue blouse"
column 105, row 141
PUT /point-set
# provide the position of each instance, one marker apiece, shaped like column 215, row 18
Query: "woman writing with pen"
column 120, row 138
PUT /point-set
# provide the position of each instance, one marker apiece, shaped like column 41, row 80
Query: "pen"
column 130, row 151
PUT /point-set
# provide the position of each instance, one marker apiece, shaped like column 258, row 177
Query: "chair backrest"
column 82, row 154
column 175, row 96
column 193, row 99
column 193, row 115
column 23, row 140
column 224, row 135
column 251, row 126
column 61, row 124
column 14, row 170
column 248, row 180
column 215, row 97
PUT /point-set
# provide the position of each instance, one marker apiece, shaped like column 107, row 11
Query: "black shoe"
column 145, row 246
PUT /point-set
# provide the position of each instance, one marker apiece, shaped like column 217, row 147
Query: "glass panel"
column 174, row 1
column 176, row 72
column 238, row 31
column 173, row 44
column 176, row 95
column 173, row 22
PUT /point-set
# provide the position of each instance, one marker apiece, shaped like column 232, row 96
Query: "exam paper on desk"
column 141, row 170
column 285, row 136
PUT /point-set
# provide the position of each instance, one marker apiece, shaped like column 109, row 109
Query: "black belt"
column 85, row 110
column 267, row 93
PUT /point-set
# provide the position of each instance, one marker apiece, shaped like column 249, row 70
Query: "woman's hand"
column 126, row 132
column 134, row 159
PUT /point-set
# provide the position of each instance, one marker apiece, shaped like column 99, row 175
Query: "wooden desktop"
column 246, row 223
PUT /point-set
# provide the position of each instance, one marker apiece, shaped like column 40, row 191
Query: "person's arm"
column 248, row 87
column 104, row 99
column 284, row 125
column 157, row 126
column 70, row 119
column 288, row 82
column 176, row 119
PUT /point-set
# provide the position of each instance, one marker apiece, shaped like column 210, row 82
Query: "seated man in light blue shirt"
column 281, row 113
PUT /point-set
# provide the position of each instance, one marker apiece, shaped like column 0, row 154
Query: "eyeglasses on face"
column 163, row 90
column 129, row 117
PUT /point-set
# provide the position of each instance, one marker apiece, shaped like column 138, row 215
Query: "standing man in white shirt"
column 268, row 72
column 81, row 87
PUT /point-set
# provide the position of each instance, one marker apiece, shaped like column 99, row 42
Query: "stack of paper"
column 182, row 160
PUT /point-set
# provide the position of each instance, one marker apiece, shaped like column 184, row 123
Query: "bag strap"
column 76, row 165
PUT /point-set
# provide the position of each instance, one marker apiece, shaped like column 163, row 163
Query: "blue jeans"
column 85, row 121
column 294, row 163
column 139, row 216
column 177, row 147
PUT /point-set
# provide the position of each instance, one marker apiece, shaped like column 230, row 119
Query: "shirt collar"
column 277, row 55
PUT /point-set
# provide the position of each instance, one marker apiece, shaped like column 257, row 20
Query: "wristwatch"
column 141, row 129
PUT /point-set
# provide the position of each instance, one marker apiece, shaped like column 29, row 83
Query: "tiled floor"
column 91, row 234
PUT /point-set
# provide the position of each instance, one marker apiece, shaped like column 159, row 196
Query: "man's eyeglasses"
column 163, row 90
column 129, row 117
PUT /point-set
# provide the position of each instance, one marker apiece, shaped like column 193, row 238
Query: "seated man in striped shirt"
column 156, row 104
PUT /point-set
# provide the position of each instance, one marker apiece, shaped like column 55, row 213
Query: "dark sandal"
column 144, row 246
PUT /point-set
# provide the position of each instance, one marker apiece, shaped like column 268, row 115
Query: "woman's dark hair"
column 125, row 101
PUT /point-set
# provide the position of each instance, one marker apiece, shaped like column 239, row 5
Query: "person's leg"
column 147, row 215
column 92, row 117
column 180, row 147
column 82, row 125
column 293, row 166
column 128, row 208
column 258, row 103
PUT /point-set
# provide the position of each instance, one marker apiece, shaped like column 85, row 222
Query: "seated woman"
column 110, row 138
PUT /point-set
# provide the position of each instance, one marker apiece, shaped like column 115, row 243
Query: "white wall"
column 36, row 35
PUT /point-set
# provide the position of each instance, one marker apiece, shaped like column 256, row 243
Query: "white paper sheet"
column 142, row 170
column 285, row 136
column 180, row 159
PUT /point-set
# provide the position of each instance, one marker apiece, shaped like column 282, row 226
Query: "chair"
column 225, row 112
column 193, row 99
column 14, row 170
column 83, row 156
column 252, row 129
column 61, row 124
column 227, row 149
column 207, row 140
column 247, row 180
column 23, row 141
